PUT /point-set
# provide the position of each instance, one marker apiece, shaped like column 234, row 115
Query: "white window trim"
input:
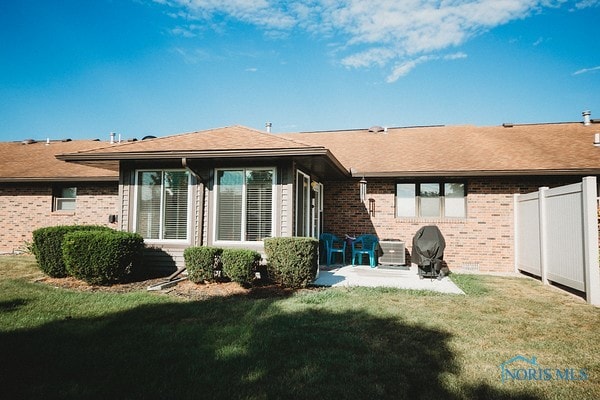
column 244, row 194
column 188, row 239
column 64, row 200
column 307, row 222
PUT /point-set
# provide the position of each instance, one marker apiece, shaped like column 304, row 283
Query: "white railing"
column 556, row 236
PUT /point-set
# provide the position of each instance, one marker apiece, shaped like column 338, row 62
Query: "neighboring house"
column 38, row 190
column 234, row 186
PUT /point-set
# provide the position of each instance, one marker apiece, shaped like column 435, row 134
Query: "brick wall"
column 483, row 241
column 24, row 208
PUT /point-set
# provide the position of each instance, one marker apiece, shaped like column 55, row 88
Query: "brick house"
column 38, row 190
column 233, row 186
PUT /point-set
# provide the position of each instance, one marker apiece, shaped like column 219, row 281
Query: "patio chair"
column 365, row 244
column 333, row 245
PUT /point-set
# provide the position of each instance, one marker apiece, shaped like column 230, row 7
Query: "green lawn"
column 320, row 344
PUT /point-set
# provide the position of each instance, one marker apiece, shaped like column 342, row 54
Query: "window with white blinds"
column 244, row 204
column 162, row 204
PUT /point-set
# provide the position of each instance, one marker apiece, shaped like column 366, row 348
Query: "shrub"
column 102, row 257
column 292, row 261
column 47, row 247
column 239, row 264
column 202, row 262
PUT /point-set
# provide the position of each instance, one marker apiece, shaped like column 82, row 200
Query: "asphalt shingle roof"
column 220, row 139
column 559, row 148
column 37, row 161
column 463, row 150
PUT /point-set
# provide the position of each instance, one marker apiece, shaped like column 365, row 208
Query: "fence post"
column 543, row 234
column 590, row 240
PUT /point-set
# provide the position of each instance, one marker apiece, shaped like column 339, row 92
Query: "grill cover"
column 428, row 248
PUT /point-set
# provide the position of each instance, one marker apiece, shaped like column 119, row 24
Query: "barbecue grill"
column 428, row 251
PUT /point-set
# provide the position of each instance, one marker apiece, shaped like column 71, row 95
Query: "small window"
column 64, row 199
column 431, row 200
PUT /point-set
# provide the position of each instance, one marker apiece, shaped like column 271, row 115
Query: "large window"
column 162, row 204
column 244, row 200
column 431, row 200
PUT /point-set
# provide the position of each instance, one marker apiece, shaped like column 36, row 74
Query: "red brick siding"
column 25, row 208
column 483, row 241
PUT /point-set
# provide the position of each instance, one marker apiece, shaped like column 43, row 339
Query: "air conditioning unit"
column 392, row 252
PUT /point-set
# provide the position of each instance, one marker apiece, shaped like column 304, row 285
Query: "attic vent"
column 376, row 129
column 508, row 125
column 148, row 137
column 67, row 140
column 28, row 141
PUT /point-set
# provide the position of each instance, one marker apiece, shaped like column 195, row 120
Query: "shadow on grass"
column 236, row 347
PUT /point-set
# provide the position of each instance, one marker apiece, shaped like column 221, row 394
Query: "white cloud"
column 586, row 70
column 404, row 68
column 580, row 5
column 376, row 32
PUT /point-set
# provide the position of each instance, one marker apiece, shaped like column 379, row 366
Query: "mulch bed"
column 183, row 289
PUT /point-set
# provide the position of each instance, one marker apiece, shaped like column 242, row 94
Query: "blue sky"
column 82, row 68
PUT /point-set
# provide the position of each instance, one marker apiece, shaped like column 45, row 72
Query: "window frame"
column 244, row 212
column 441, row 185
column 58, row 197
column 303, row 215
column 188, row 224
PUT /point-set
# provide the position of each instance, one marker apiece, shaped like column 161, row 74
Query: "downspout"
column 185, row 165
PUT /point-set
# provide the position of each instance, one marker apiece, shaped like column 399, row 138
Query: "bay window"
column 162, row 204
column 244, row 204
column 431, row 200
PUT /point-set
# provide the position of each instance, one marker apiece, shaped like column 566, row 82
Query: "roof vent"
column 508, row 125
column 377, row 129
column 268, row 125
column 28, row 141
column 148, row 137
column 586, row 117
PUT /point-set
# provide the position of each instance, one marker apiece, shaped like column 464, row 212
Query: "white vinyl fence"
column 556, row 236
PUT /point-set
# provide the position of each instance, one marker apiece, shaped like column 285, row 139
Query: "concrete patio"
column 363, row 275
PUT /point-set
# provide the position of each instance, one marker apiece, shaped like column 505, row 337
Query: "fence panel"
column 527, row 246
column 564, row 236
column 564, row 226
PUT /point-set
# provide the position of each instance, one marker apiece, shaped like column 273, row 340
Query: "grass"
column 326, row 343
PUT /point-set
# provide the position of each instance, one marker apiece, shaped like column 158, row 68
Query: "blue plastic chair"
column 333, row 245
column 365, row 244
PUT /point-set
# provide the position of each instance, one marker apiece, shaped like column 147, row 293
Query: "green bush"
column 292, row 261
column 102, row 257
column 202, row 262
column 239, row 265
column 47, row 247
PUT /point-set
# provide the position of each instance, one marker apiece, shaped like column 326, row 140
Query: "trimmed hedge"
column 201, row 263
column 239, row 264
column 102, row 257
column 47, row 247
column 292, row 261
